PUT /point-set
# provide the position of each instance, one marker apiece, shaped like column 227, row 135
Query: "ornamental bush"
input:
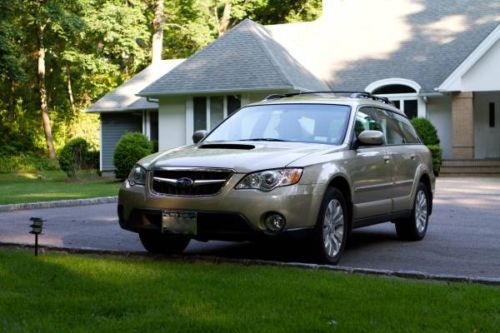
column 131, row 148
column 428, row 133
column 73, row 156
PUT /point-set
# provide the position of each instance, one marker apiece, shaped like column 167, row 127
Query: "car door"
column 406, row 158
column 370, row 172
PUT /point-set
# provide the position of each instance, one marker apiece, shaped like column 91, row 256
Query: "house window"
column 208, row 112
column 402, row 93
column 403, row 97
column 492, row 114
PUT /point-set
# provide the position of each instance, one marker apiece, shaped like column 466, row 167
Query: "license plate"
column 179, row 222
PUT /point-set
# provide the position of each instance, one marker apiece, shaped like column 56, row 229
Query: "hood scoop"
column 236, row 146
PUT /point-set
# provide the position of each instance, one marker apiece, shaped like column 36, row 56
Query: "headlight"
column 270, row 179
column 137, row 176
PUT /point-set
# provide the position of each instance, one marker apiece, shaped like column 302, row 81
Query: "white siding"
column 485, row 74
column 439, row 113
column 172, row 123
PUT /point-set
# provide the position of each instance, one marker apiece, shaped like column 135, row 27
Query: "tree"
column 158, row 21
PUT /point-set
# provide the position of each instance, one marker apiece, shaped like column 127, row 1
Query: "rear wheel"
column 332, row 226
column 415, row 227
column 158, row 243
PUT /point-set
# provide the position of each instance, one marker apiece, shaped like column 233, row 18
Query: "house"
column 121, row 110
column 434, row 59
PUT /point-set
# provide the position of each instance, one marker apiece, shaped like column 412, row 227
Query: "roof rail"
column 349, row 93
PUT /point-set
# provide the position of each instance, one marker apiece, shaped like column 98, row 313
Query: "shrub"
column 73, row 156
column 22, row 162
column 437, row 157
column 130, row 149
column 426, row 131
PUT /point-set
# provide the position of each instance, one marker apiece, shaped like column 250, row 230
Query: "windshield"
column 318, row 123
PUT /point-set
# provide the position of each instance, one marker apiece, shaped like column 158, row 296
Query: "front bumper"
column 224, row 215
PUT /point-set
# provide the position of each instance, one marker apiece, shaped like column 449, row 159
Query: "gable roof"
column 453, row 81
column 358, row 42
column 124, row 97
column 244, row 59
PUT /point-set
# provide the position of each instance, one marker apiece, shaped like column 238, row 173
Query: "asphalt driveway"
column 463, row 236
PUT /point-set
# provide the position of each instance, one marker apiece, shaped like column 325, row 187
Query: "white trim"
column 224, row 107
column 453, row 81
column 100, row 145
column 189, row 119
column 393, row 80
column 146, row 124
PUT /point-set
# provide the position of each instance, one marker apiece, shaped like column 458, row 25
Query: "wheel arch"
column 426, row 180
column 343, row 185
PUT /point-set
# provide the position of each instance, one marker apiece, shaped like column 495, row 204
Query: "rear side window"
column 409, row 134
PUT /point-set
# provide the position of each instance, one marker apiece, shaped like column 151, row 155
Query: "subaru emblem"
column 185, row 182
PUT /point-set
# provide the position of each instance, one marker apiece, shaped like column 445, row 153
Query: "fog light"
column 275, row 222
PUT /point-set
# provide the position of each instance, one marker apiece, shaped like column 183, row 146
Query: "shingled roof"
column 357, row 42
column 244, row 59
column 124, row 97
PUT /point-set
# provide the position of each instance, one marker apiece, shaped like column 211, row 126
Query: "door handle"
column 412, row 156
column 387, row 158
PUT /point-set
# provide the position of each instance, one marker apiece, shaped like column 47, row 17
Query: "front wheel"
column 332, row 226
column 415, row 227
column 158, row 243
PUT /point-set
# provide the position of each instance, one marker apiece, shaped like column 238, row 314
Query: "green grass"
column 77, row 293
column 53, row 185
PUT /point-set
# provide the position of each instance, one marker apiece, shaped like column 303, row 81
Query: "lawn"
column 53, row 185
column 82, row 293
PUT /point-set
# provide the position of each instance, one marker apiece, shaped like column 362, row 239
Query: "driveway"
column 463, row 236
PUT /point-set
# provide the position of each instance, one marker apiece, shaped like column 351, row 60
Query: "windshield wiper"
column 262, row 139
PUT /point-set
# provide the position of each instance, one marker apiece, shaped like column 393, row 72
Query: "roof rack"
column 351, row 94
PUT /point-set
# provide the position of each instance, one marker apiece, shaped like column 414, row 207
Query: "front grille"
column 199, row 182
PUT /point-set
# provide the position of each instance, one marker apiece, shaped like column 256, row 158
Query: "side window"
column 409, row 133
column 366, row 120
column 390, row 127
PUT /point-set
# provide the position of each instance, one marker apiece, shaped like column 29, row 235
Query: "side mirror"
column 199, row 135
column 371, row 138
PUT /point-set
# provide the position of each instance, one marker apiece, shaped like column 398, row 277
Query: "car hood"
column 240, row 156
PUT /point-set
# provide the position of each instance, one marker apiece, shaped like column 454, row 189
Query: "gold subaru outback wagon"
column 318, row 163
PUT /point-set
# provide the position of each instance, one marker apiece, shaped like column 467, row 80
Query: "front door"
column 487, row 125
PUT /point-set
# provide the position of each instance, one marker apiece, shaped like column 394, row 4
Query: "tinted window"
column 409, row 133
column 320, row 123
column 379, row 120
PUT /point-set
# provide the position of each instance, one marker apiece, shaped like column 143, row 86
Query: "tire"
column 332, row 227
column 415, row 227
column 158, row 243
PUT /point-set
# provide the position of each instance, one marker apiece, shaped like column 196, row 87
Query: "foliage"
column 428, row 133
column 74, row 156
column 26, row 162
column 92, row 46
column 36, row 186
column 437, row 158
column 131, row 148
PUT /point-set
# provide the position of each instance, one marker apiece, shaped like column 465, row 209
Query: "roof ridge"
column 270, row 53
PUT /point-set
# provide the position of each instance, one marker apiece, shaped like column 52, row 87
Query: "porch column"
column 462, row 118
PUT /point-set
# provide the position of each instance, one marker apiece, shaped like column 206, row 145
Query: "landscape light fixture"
column 36, row 229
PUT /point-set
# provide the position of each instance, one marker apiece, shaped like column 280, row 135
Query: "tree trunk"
column 70, row 91
column 158, row 32
column 43, row 95
column 224, row 20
